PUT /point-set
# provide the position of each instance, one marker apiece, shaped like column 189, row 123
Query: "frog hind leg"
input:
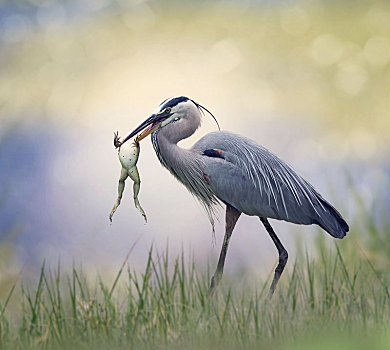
column 121, row 187
column 134, row 175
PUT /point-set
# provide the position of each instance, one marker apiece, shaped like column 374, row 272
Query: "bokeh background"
column 309, row 80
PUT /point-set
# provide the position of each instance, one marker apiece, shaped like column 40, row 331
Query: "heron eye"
column 167, row 110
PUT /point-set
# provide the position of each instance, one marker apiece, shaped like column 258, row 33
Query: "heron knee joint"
column 283, row 256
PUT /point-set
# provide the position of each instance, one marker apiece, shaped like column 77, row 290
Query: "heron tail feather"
column 332, row 222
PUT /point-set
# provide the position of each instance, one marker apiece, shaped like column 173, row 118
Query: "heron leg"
column 121, row 187
column 283, row 255
column 232, row 216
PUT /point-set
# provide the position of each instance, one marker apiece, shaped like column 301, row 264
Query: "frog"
column 128, row 154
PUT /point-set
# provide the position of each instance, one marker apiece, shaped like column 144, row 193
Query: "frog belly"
column 128, row 155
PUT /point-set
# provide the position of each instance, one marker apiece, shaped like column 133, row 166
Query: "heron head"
column 168, row 112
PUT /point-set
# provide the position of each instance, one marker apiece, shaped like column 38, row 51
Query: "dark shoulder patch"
column 215, row 153
column 171, row 102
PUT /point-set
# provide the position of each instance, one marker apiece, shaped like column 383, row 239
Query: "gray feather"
column 223, row 166
column 255, row 181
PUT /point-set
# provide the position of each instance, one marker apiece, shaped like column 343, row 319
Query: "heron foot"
column 214, row 282
column 283, row 257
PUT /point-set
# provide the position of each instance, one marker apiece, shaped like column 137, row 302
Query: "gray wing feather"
column 257, row 182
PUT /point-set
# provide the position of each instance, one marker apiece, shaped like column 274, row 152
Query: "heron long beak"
column 150, row 125
column 148, row 131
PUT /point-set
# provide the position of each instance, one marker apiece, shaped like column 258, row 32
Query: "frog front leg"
column 133, row 173
column 121, row 187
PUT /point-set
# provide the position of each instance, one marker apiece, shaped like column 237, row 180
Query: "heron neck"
column 172, row 156
column 186, row 166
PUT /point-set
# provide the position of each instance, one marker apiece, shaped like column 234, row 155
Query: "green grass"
column 336, row 300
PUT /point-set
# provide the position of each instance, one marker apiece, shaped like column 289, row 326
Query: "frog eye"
column 167, row 110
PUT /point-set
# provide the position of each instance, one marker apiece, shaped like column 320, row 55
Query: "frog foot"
column 138, row 206
column 117, row 141
column 117, row 203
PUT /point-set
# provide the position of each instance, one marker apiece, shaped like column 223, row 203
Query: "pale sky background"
column 307, row 79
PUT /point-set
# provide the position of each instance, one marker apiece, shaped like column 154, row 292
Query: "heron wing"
column 257, row 182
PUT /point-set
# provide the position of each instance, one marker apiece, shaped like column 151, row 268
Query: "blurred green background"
column 309, row 80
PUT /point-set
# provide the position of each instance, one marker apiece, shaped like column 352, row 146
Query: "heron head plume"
column 173, row 110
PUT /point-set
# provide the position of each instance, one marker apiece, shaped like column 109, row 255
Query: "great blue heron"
column 249, row 179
